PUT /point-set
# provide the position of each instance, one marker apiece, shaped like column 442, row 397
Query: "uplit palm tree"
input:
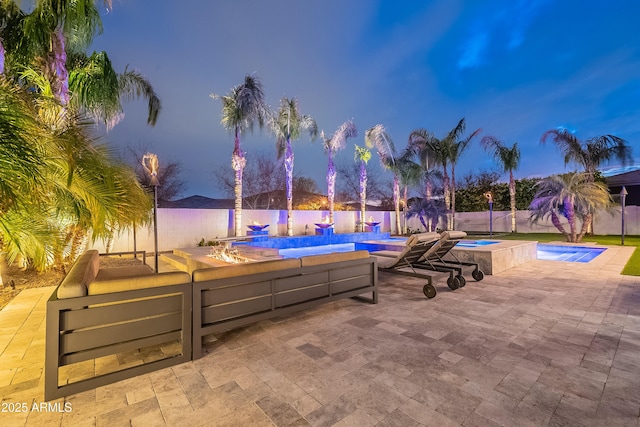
column 457, row 145
column 331, row 146
column 288, row 125
column 509, row 159
column 362, row 157
column 242, row 108
column 377, row 137
column 591, row 153
column 573, row 196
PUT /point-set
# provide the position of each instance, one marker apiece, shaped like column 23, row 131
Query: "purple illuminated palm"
column 331, row 146
column 288, row 125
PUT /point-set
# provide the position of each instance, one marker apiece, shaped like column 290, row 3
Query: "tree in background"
column 509, row 159
column 288, row 125
column 331, row 146
column 591, row 153
column 420, row 145
column 377, row 137
column 242, row 108
column 573, row 196
column 457, row 144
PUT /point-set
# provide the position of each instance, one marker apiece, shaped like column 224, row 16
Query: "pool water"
column 316, row 250
column 568, row 253
column 475, row 243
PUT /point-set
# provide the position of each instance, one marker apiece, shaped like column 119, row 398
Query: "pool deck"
column 542, row 344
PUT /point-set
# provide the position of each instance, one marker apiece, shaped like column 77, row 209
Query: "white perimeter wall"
column 179, row 228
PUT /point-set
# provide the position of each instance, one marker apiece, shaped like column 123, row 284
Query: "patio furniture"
column 416, row 247
column 106, row 325
column 229, row 297
column 442, row 259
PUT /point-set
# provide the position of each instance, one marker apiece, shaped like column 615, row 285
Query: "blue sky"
column 514, row 68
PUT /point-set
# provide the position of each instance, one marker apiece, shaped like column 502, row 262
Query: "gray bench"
column 225, row 298
column 97, row 317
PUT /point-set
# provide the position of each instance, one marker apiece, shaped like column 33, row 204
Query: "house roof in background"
column 197, row 202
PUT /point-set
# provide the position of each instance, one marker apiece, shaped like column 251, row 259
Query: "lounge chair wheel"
column 453, row 283
column 462, row 280
column 429, row 291
column 478, row 275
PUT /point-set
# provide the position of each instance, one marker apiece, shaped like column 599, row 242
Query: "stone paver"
column 545, row 343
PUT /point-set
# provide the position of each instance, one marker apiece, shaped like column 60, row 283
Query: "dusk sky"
column 514, row 68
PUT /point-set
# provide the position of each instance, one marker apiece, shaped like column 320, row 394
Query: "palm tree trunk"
column 404, row 222
column 331, row 185
column 453, row 198
column 238, row 162
column 570, row 214
column 2, row 52
column 288, row 166
column 586, row 223
column 396, row 201
column 556, row 221
column 512, row 201
column 363, row 194
column 59, row 68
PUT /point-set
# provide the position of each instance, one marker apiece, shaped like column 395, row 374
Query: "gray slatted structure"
column 85, row 328
column 227, row 303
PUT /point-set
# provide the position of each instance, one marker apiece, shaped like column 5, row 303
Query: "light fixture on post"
column 623, row 199
column 489, row 197
column 151, row 166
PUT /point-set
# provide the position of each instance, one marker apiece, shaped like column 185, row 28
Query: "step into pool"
column 568, row 253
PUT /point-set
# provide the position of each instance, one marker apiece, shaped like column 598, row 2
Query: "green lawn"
column 631, row 269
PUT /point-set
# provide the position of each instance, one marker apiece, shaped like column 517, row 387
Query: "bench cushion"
column 145, row 281
column 237, row 270
column 307, row 261
column 83, row 271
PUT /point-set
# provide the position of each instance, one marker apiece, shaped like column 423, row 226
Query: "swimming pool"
column 475, row 243
column 316, row 250
column 568, row 253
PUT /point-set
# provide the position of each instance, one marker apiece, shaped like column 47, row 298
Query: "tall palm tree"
column 457, row 145
column 421, row 143
column 591, row 153
column 362, row 157
column 509, row 158
column 331, row 146
column 288, row 125
column 242, row 108
column 574, row 196
column 377, row 137
column 410, row 173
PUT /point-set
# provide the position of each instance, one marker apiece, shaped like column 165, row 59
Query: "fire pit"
column 324, row 228
column 257, row 227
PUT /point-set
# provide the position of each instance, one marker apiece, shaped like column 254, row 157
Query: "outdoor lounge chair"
column 435, row 260
column 417, row 247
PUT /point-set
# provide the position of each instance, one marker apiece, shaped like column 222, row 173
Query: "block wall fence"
column 180, row 228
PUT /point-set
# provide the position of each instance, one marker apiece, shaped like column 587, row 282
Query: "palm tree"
column 362, row 156
column 575, row 197
column 288, row 125
column 331, row 146
column 378, row 138
column 456, row 148
column 591, row 153
column 509, row 158
column 242, row 108
column 420, row 145
column 409, row 173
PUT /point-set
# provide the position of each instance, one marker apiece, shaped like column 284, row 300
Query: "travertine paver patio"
column 545, row 343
